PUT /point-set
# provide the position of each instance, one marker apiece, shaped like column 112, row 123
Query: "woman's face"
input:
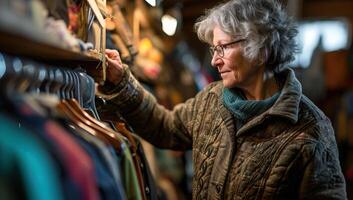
column 235, row 69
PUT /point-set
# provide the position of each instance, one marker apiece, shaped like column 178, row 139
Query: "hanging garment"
column 94, row 161
column 27, row 170
column 146, row 180
column 130, row 178
column 77, row 164
column 106, row 184
column 151, row 189
column 105, row 160
column 137, row 163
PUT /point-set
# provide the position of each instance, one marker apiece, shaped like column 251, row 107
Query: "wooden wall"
column 328, row 9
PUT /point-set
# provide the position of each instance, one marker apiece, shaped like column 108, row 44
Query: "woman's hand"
column 114, row 66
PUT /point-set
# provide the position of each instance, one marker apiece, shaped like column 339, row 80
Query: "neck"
column 262, row 86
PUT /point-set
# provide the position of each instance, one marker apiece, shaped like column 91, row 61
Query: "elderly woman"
column 254, row 135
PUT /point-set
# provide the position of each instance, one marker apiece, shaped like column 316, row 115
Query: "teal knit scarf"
column 243, row 109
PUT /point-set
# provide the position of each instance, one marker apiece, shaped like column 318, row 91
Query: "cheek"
column 237, row 75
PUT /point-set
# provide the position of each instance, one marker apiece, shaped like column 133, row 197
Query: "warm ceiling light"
column 169, row 24
column 151, row 2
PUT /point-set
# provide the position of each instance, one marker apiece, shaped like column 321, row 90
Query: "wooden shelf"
column 22, row 36
column 20, row 45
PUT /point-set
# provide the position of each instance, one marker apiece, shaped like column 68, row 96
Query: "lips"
column 224, row 72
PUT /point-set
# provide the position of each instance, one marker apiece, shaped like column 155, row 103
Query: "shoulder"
column 315, row 125
column 210, row 94
column 214, row 88
column 309, row 110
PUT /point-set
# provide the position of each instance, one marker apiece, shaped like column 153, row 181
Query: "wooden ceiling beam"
column 194, row 11
column 327, row 9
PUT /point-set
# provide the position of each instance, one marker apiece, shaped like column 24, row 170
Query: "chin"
column 228, row 84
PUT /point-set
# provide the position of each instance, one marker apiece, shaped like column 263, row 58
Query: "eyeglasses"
column 219, row 49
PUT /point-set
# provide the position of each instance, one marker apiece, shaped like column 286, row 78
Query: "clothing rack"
column 47, row 104
column 23, row 84
column 41, row 78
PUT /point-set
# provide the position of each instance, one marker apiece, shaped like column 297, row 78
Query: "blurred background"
column 324, row 66
column 157, row 40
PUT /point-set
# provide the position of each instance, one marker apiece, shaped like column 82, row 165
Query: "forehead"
column 220, row 36
column 218, row 33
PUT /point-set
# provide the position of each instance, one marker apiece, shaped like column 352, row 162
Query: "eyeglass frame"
column 221, row 48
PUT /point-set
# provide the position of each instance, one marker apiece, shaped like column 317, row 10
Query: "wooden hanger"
column 63, row 110
column 99, row 127
column 109, row 21
column 75, row 113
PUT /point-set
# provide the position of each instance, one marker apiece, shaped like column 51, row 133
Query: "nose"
column 216, row 60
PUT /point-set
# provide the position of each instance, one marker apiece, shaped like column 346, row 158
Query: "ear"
column 263, row 56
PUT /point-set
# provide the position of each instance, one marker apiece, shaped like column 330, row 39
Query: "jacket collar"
column 287, row 104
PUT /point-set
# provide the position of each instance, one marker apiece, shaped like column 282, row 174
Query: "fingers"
column 115, row 63
column 112, row 53
column 110, row 61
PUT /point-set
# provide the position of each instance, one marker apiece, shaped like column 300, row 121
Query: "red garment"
column 78, row 163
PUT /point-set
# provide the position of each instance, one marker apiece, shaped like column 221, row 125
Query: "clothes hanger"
column 59, row 77
column 109, row 134
column 123, row 29
column 16, row 80
column 2, row 75
column 58, row 82
column 69, row 90
column 14, row 76
column 47, row 84
column 80, row 118
column 109, row 22
column 123, row 50
column 123, row 130
column 102, row 132
column 70, row 93
column 88, row 93
column 66, row 112
column 120, row 126
column 75, row 106
column 36, row 75
column 3, row 69
column 77, row 87
column 41, row 78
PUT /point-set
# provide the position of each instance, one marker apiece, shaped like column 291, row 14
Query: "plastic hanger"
column 88, row 93
column 35, row 74
column 2, row 77
column 2, row 65
column 13, row 75
column 59, row 77
column 57, row 82
column 41, row 77
column 71, row 88
column 47, row 84
column 77, row 91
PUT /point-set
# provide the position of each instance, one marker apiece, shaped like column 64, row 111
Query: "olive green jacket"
column 287, row 152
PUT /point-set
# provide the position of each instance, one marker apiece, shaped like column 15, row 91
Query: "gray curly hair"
column 269, row 32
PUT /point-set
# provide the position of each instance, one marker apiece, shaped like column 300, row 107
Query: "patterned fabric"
column 289, row 151
column 244, row 109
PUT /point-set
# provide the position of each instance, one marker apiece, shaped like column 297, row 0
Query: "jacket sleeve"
column 161, row 127
column 323, row 177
